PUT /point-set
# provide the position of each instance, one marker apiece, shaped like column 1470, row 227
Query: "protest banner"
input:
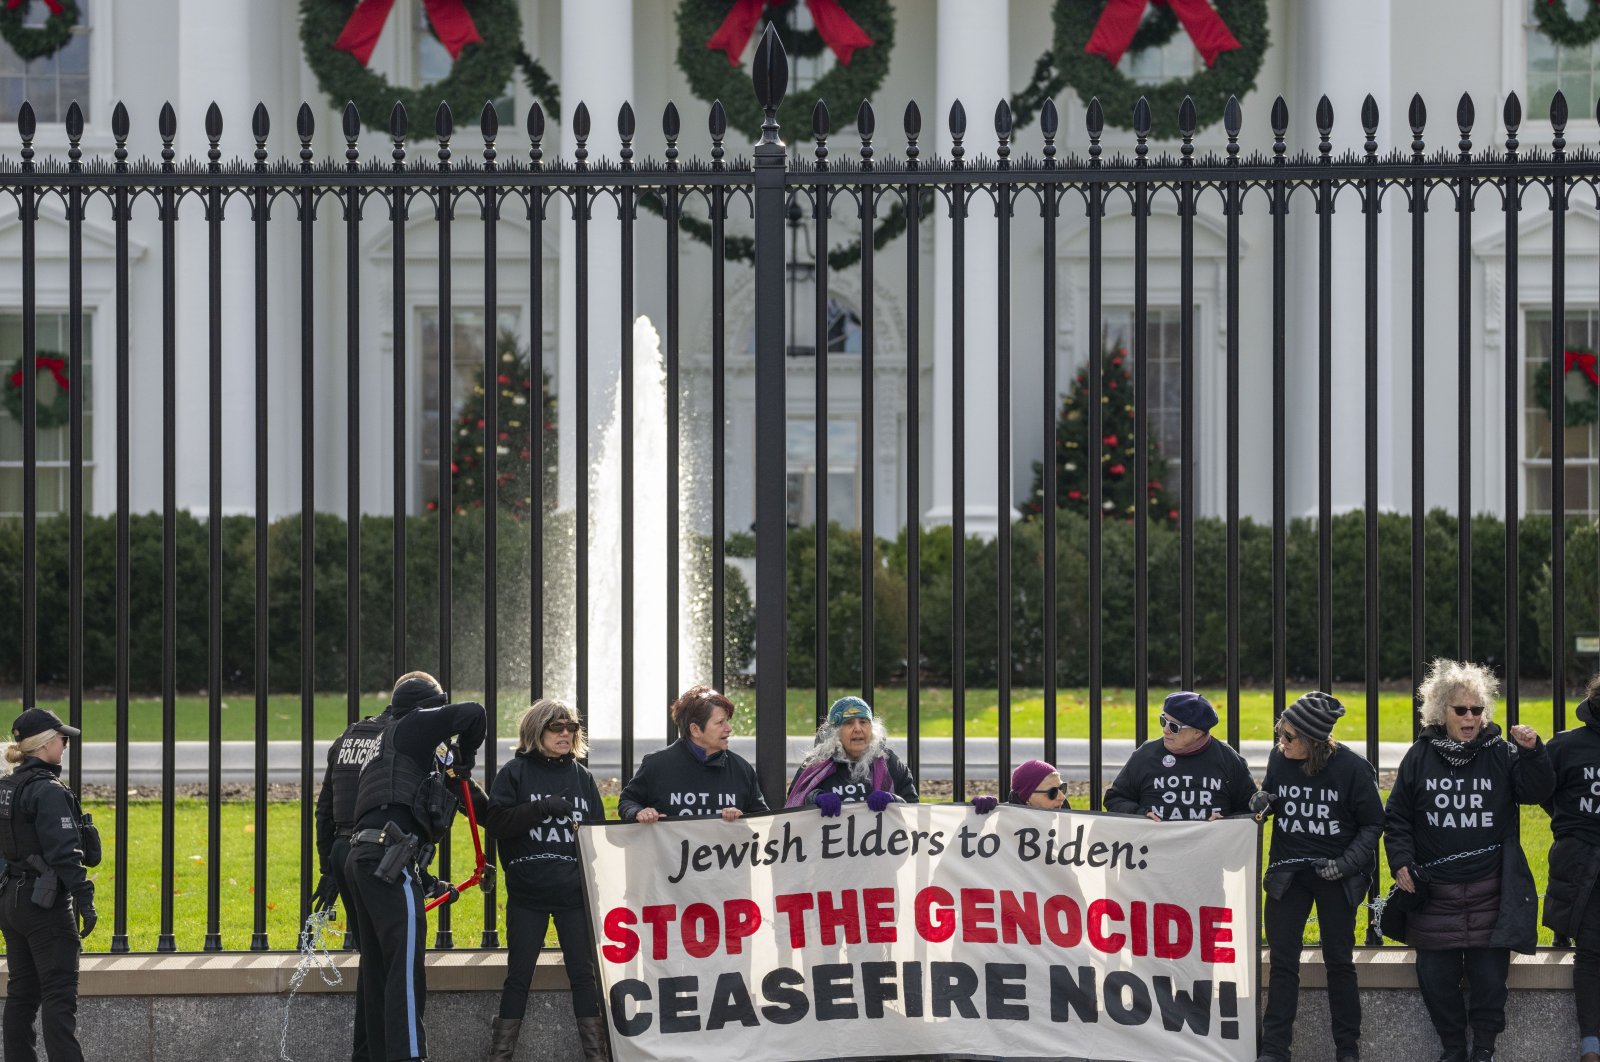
column 926, row 931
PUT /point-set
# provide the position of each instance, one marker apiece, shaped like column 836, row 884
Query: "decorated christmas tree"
column 1118, row 450
column 516, row 408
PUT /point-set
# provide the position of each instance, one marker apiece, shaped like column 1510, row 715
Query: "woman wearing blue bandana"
column 851, row 761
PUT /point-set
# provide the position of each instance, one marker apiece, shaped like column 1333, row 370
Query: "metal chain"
column 315, row 937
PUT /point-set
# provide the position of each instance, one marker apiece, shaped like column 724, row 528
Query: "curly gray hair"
column 828, row 747
column 1446, row 678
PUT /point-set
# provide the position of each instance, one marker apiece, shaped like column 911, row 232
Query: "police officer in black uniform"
column 404, row 804
column 46, row 899
column 336, row 818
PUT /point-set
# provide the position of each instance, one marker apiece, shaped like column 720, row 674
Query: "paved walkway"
column 284, row 758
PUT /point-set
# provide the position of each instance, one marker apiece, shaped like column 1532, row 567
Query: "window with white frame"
column 466, row 360
column 54, row 469
column 844, row 472
column 1152, row 66
column 1164, row 381
column 53, row 83
column 1575, row 71
column 1581, row 469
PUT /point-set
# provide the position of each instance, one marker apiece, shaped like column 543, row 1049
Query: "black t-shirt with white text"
column 539, row 854
column 679, row 784
column 1192, row 787
column 1575, row 805
column 1318, row 816
column 850, row 790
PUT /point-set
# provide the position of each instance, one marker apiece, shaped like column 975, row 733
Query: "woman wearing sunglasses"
column 1454, row 842
column 1183, row 774
column 1034, row 784
column 535, row 802
column 1572, row 902
column 1327, row 820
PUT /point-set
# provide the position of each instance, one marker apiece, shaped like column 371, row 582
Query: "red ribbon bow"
column 57, row 367
column 1120, row 21
column 1584, row 361
column 842, row 33
column 450, row 21
column 54, row 5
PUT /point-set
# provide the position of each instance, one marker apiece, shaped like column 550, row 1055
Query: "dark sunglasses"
column 1462, row 709
column 1051, row 793
column 564, row 728
column 1172, row 727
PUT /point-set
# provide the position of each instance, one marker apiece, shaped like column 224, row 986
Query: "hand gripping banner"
column 926, row 931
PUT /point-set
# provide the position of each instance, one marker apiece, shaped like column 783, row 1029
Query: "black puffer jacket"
column 1457, row 915
column 1574, row 810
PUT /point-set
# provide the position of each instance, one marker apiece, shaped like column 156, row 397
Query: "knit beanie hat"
column 846, row 708
column 1314, row 715
column 1589, row 710
column 1190, row 709
column 1026, row 778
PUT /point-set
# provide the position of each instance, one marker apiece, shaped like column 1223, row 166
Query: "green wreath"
column 38, row 42
column 845, row 86
column 479, row 75
column 1555, row 23
column 1233, row 74
column 1580, row 411
column 47, row 415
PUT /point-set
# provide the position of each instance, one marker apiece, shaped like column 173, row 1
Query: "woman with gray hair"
column 536, row 801
column 1452, row 831
column 851, row 761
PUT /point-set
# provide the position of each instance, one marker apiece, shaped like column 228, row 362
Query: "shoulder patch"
column 66, row 822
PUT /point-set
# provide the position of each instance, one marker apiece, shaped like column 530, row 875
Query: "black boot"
column 503, row 1039
column 592, row 1036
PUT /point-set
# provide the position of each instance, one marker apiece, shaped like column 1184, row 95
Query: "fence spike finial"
column 119, row 133
column 1003, row 125
column 1188, row 125
column 488, row 128
column 27, row 123
column 444, row 124
column 1466, row 114
column 1324, row 120
column 1558, row 125
column 770, row 72
column 1094, row 121
column 717, row 125
column 866, row 124
column 1141, row 131
column 1369, row 125
column 535, row 127
column 1512, row 114
column 671, row 126
column 911, row 123
column 821, row 126
column 350, row 125
column 305, row 124
column 74, row 124
column 214, row 137
column 625, row 130
column 399, row 125
column 1417, row 115
column 167, row 126
column 1232, row 123
column 1050, row 124
column 260, row 126
column 958, row 130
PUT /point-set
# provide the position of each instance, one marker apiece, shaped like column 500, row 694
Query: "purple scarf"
column 812, row 776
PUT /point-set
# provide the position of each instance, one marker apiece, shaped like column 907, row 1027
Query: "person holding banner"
column 697, row 776
column 536, row 801
column 1328, row 817
column 1183, row 774
column 1034, row 784
column 1454, row 841
column 850, row 762
column 403, row 808
column 1571, row 902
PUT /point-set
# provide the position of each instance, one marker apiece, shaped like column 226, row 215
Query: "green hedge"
column 1255, row 637
column 283, row 606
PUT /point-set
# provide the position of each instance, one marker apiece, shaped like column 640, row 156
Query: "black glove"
column 327, row 894
column 554, row 807
column 444, row 888
column 460, row 771
column 1260, row 802
column 83, row 908
column 1328, row 870
column 1349, row 867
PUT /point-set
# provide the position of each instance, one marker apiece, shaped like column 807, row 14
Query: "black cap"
column 416, row 693
column 37, row 721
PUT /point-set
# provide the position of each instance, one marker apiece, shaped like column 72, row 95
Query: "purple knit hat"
column 1026, row 778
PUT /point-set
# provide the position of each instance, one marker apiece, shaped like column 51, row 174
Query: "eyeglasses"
column 1462, row 709
column 564, row 728
column 1049, row 794
column 1288, row 737
column 1172, row 727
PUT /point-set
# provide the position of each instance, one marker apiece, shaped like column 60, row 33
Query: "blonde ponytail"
column 18, row 750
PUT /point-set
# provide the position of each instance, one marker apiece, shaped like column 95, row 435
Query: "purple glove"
column 830, row 804
column 985, row 804
column 879, row 799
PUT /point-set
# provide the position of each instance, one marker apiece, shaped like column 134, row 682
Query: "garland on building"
column 38, row 42
column 483, row 37
column 1583, row 408
column 514, row 406
column 712, row 35
column 1119, row 492
column 52, row 414
column 1091, row 36
column 1556, row 23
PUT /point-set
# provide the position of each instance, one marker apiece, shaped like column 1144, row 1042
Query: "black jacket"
column 339, row 773
column 900, row 781
column 1432, row 816
column 1574, row 810
column 1182, row 787
column 539, row 855
column 53, row 812
column 1335, row 814
column 417, row 736
column 679, row 784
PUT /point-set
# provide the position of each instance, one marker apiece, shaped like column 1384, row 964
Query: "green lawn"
column 283, row 876
column 192, row 714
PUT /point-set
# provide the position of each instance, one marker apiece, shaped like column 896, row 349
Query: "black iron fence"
column 1040, row 190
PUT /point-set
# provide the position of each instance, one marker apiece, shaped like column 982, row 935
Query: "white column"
column 597, row 62
column 219, row 59
column 1343, row 52
column 973, row 65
